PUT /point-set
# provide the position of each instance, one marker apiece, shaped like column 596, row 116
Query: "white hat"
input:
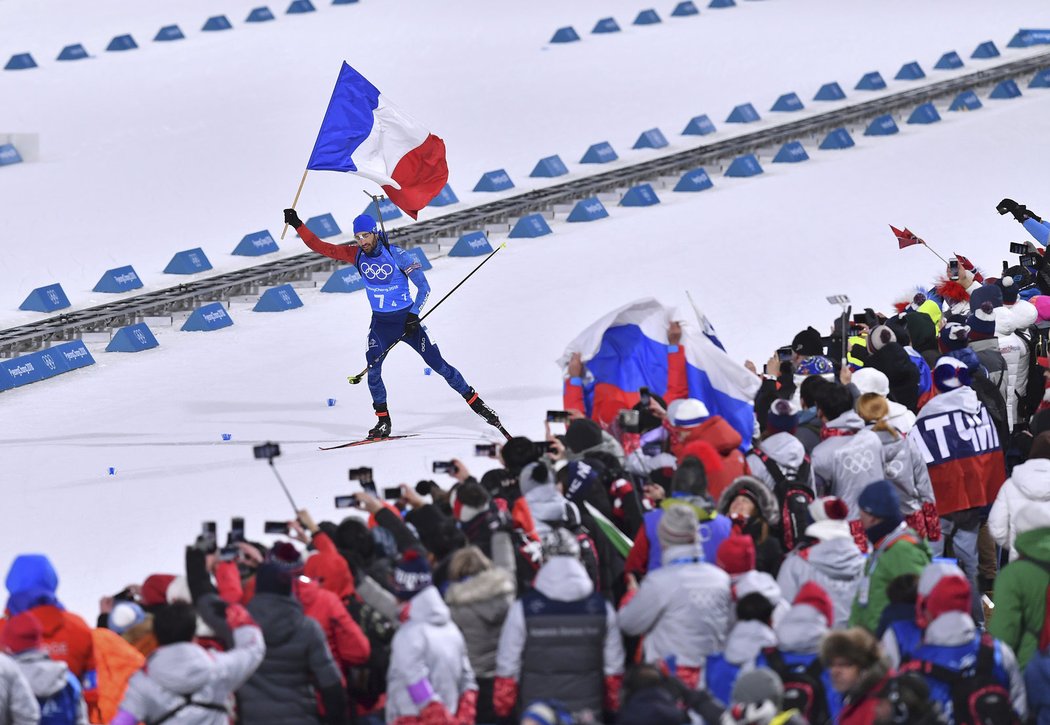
column 689, row 413
column 870, row 380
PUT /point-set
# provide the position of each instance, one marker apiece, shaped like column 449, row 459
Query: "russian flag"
column 627, row 349
column 364, row 132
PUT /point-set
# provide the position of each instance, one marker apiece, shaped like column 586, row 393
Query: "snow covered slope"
column 200, row 141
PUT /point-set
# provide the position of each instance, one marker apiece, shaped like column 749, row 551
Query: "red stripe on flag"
column 422, row 174
column 904, row 237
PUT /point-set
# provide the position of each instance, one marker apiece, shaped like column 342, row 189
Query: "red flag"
column 905, row 238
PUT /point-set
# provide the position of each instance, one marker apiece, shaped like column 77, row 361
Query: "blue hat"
column 982, row 321
column 124, row 616
column 881, row 501
column 411, row 575
column 783, row 416
column 581, row 476
column 950, row 373
column 364, row 223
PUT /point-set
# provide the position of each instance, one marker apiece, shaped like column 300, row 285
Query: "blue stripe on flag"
column 630, row 360
column 738, row 413
column 347, row 122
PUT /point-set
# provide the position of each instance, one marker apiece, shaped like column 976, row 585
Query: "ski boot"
column 382, row 426
column 478, row 406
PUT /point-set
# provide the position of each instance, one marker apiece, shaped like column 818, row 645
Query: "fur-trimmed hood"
column 755, row 489
column 480, row 587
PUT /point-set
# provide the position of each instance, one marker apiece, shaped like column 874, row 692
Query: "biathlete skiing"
column 386, row 271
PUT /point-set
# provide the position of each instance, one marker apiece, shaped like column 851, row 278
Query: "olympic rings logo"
column 376, row 271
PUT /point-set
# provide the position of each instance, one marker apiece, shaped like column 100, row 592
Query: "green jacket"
column 907, row 555
column 1020, row 596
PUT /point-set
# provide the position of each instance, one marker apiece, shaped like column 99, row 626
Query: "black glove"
column 411, row 324
column 292, row 219
column 1020, row 212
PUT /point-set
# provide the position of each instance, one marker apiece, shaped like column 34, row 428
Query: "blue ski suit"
column 386, row 274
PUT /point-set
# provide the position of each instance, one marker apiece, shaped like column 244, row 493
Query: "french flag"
column 627, row 349
column 364, row 132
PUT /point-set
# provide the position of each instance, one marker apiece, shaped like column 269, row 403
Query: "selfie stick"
column 285, row 488
column 847, row 307
column 355, row 379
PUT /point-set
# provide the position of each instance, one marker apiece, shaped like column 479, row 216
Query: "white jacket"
column 18, row 706
column 786, row 451
column 904, row 466
column 682, row 609
column 1015, row 352
column 562, row 578
column 427, row 647
column 844, row 464
column 836, row 565
column 186, row 669
column 1028, row 488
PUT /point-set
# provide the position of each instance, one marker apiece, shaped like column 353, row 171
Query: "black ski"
column 368, row 441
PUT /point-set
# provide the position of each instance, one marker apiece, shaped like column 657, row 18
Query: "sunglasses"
column 362, row 236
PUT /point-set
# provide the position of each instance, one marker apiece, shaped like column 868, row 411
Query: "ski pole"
column 355, row 379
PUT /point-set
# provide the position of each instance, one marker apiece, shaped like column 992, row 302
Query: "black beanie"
column 518, row 453
column 272, row 578
column 807, row 343
column 582, row 434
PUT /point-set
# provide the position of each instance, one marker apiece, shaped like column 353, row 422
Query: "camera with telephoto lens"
column 267, row 450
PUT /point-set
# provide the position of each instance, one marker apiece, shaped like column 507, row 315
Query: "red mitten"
column 435, row 714
column 467, row 710
column 933, row 521
column 860, row 538
column 504, row 695
column 612, row 692
column 237, row 616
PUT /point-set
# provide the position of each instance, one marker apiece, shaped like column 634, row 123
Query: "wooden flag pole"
column 296, row 199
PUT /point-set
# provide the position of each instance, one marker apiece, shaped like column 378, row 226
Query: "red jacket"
column 726, row 441
column 328, row 568
column 348, row 643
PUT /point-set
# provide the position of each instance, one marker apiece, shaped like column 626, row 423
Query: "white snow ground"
column 201, row 141
column 759, row 255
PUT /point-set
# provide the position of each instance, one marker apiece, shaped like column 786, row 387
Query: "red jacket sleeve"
column 342, row 252
column 677, row 383
column 323, row 543
column 572, row 397
column 228, row 579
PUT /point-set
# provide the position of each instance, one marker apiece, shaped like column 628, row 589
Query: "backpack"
column 794, row 496
column 990, row 397
column 803, row 687
column 366, row 683
column 186, row 702
column 62, row 707
column 978, row 697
